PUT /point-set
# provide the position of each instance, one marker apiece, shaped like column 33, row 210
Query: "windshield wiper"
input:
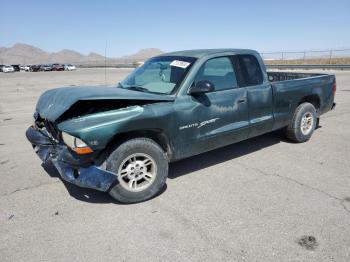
column 138, row 88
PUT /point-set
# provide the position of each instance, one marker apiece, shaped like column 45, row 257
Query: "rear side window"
column 218, row 71
column 249, row 70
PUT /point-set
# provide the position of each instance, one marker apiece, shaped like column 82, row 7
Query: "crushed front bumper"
column 72, row 169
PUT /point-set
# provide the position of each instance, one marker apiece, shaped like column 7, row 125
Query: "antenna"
column 106, row 63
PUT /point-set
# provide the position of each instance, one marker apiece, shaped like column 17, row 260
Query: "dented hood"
column 53, row 103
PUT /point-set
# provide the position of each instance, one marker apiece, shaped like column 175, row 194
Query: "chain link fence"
column 332, row 56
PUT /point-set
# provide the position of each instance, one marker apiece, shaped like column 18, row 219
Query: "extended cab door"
column 259, row 92
column 218, row 118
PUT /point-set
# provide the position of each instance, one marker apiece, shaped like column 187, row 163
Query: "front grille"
column 52, row 129
column 47, row 127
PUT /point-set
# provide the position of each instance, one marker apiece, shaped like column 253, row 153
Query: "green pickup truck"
column 176, row 105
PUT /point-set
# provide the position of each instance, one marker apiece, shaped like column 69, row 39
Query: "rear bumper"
column 70, row 168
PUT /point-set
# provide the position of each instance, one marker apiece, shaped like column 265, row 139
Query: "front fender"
column 97, row 129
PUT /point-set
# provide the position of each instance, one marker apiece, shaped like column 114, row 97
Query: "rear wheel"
column 142, row 169
column 303, row 123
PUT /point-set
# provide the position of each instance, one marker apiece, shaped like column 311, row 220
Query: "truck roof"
column 198, row 53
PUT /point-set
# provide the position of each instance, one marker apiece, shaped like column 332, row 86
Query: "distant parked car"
column 45, row 68
column 16, row 68
column 1, row 66
column 21, row 67
column 34, row 68
column 57, row 67
column 69, row 67
column 27, row 68
column 7, row 69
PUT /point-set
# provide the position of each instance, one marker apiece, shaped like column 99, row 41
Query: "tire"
column 303, row 123
column 130, row 161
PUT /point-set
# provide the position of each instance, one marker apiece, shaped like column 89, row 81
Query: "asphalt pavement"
column 264, row 199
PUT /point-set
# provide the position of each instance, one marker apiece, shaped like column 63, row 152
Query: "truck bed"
column 283, row 76
column 290, row 88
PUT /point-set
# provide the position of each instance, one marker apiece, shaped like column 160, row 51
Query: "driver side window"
column 219, row 72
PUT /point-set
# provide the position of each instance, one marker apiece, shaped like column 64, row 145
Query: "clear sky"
column 129, row 25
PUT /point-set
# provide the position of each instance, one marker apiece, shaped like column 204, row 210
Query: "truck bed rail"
column 324, row 66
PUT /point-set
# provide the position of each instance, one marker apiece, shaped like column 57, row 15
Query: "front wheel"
column 303, row 123
column 142, row 168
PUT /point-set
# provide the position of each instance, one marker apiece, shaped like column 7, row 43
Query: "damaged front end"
column 74, row 126
column 77, row 170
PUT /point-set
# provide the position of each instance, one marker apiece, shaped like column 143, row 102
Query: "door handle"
column 240, row 101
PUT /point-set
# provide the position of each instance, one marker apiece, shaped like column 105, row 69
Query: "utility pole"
column 330, row 56
column 106, row 63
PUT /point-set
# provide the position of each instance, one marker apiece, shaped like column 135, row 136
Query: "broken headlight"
column 76, row 144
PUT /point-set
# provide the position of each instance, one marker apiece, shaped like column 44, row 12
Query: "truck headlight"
column 76, row 144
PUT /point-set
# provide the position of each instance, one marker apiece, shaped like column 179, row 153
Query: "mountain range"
column 28, row 54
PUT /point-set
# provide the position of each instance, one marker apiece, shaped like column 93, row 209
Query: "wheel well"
column 155, row 134
column 312, row 99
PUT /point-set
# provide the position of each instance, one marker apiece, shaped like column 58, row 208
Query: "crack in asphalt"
column 341, row 201
column 28, row 188
column 220, row 244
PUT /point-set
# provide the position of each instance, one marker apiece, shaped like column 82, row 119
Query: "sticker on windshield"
column 179, row 63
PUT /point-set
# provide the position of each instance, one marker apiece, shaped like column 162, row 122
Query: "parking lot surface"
column 264, row 199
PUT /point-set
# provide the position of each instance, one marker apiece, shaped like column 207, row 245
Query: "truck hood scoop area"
column 69, row 102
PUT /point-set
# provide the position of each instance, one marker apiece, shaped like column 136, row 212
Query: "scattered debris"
column 56, row 213
column 1, row 144
column 347, row 199
column 308, row 242
column 7, row 119
column 10, row 217
column 155, row 211
column 4, row 162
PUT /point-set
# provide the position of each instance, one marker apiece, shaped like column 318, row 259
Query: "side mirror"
column 201, row 87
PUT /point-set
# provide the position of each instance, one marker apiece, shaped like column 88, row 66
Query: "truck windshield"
column 161, row 74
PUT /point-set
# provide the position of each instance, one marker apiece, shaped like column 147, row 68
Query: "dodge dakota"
column 121, row 139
